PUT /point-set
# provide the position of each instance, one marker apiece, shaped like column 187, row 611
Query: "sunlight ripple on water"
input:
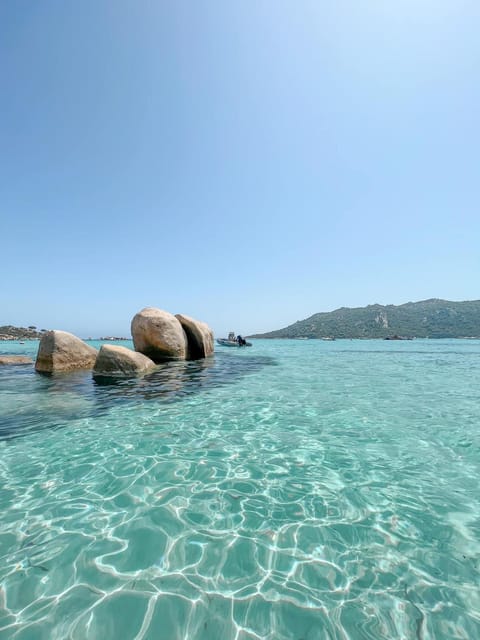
column 294, row 490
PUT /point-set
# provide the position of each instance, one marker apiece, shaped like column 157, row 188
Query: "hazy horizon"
column 218, row 332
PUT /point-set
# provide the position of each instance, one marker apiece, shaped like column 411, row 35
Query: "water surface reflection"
column 30, row 401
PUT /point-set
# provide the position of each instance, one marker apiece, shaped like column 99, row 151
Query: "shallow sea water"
column 295, row 490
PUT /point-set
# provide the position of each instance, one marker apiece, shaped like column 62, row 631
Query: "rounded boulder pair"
column 162, row 336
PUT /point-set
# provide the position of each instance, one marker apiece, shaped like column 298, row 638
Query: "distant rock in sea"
column 62, row 351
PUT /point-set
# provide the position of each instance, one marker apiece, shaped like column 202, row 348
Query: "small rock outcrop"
column 199, row 337
column 62, row 351
column 158, row 335
column 113, row 360
column 15, row 360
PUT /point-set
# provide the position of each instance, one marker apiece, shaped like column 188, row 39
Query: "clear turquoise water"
column 294, row 490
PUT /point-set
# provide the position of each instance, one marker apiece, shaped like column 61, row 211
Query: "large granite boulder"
column 199, row 337
column 15, row 360
column 62, row 351
column 158, row 335
column 114, row 360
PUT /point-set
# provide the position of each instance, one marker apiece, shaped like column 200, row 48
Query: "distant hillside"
column 426, row 319
column 8, row 332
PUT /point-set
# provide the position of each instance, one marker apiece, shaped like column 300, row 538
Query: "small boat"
column 232, row 341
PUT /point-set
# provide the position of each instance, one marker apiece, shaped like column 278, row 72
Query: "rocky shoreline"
column 158, row 336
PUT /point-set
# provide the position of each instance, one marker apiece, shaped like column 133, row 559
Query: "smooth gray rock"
column 62, row 351
column 113, row 360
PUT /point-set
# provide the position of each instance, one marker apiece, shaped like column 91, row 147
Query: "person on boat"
column 241, row 341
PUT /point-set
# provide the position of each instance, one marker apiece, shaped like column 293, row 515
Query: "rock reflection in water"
column 174, row 380
column 31, row 401
column 168, row 381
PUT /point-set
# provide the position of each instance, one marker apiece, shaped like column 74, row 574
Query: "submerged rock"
column 158, row 335
column 62, row 351
column 199, row 337
column 15, row 360
column 113, row 360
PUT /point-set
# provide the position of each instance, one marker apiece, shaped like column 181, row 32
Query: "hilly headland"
column 432, row 318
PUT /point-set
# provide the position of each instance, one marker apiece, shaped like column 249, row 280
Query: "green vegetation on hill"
column 426, row 319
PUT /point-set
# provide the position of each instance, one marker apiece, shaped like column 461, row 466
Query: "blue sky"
column 248, row 164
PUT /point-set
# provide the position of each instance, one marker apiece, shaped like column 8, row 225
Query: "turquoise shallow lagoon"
column 297, row 490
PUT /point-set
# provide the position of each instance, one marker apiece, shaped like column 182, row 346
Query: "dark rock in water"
column 15, row 360
column 199, row 337
column 62, row 351
column 113, row 360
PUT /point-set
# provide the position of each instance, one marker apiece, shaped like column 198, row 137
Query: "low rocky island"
column 9, row 332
